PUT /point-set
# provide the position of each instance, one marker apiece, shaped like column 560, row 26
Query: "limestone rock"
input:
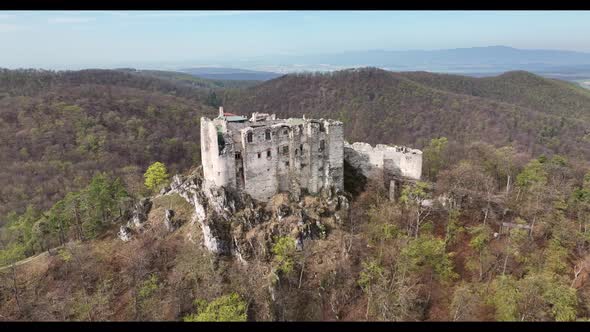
column 234, row 224
column 140, row 212
column 169, row 223
column 124, row 233
column 283, row 210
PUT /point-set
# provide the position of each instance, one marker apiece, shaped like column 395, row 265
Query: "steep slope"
column 58, row 129
column 378, row 106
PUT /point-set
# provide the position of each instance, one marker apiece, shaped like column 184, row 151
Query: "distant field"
column 585, row 83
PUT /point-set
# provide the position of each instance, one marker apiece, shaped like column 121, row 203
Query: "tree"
column 464, row 303
column 480, row 238
column 434, row 156
column 227, row 308
column 284, row 249
column 412, row 198
column 505, row 298
column 155, row 176
column 102, row 199
column 11, row 256
column 428, row 253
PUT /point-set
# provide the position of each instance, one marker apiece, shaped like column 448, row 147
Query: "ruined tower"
column 264, row 155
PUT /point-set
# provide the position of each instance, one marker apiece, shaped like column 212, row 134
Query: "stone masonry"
column 263, row 155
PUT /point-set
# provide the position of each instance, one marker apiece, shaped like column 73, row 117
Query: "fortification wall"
column 271, row 156
column 384, row 161
column 260, row 170
column 335, row 146
column 218, row 161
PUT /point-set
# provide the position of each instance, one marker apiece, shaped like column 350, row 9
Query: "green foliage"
column 414, row 194
column 284, row 250
column 372, row 271
column 65, row 255
column 555, row 257
column 429, row 252
column 434, row 156
column 533, row 174
column 12, row 254
column 563, row 300
column 454, row 229
column 155, row 176
column 505, row 298
column 86, row 213
column 480, row 237
column 537, row 296
column 148, row 287
column 227, row 308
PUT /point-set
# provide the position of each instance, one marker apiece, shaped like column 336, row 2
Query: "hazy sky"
column 74, row 39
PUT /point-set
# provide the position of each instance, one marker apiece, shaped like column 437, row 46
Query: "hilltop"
column 536, row 114
column 494, row 231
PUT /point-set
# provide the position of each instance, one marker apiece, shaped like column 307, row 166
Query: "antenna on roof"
column 221, row 111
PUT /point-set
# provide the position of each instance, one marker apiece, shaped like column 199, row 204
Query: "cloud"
column 70, row 20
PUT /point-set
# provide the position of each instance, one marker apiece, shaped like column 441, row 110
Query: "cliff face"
column 234, row 224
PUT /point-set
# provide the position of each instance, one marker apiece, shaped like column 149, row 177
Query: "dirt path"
column 26, row 260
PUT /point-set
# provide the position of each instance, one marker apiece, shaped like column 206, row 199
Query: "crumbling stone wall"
column 383, row 161
column 264, row 155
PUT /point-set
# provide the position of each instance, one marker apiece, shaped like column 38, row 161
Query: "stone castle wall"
column 383, row 161
column 283, row 155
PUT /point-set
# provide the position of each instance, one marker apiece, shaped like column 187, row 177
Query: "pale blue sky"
column 76, row 39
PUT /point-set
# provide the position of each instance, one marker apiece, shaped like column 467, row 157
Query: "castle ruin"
column 264, row 155
column 384, row 163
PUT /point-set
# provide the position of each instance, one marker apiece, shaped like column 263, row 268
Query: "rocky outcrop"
column 124, row 233
column 140, row 212
column 169, row 223
column 232, row 223
column 215, row 208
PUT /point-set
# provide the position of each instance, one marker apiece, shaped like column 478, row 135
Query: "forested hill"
column 521, row 88
column 537, row 115
column 57, row 129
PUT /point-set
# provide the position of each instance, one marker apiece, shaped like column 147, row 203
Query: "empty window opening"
column 238, row 155
column 259, row 154
column 301, row 148
column 285, row 150
column 322, row 145
column 267, row 134
column 249, row 136
column 268, row 155
column 285, row 132
column 322, row 128
column 296, row 152
column 286, row 163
